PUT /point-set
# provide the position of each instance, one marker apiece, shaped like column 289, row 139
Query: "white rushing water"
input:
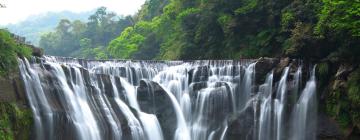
column 207, row 100
column 304, row 117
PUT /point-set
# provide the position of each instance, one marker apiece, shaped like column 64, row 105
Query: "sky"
column 18, row 10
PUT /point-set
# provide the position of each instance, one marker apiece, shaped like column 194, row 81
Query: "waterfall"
column 304, row 118
column 163, row 100
column 280, row 103
column 266, row 109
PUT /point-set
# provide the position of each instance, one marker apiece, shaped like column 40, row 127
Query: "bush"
column 354, row 88
column 10, row 50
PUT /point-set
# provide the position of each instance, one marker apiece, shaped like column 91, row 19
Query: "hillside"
column 232, row 29
column 33, row 27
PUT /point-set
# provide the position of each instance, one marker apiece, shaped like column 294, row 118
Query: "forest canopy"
column 213, row 29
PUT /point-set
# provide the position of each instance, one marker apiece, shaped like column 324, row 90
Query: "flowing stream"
column 77, row 99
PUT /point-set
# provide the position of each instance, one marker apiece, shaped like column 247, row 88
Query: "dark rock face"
column 199, row 74
column 153, row 99
column 343, row 71
column 262, row 67
column 327, row 129
column 242, row 128
column 195, row 87
column 354, row 134
column 11, row 89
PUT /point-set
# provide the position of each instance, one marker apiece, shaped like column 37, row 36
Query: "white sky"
column 17, row 10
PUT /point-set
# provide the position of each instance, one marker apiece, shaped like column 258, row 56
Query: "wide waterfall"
column 76, row 99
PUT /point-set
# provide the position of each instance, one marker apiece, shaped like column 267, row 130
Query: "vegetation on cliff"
column 15, row 122
column 10, row 51
column 339, row 85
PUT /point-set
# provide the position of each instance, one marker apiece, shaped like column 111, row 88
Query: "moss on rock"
column 15, row 122
column 353, row 87
column 343, row 99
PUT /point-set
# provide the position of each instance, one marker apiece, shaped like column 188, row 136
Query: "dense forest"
column 11, row 49
column 85, row 39
column 204, row 29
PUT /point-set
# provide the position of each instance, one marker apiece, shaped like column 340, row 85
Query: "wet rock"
column 327, row 129
column 343, row 71
column 263, row 67
column 284, row 62
column 125, row 127
column 12, row 89
column 242, row 127
column 196, row 87
column 199, row 74
column 153, row 99
column 105, row 84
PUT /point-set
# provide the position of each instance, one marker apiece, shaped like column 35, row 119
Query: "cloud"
column 17, row 10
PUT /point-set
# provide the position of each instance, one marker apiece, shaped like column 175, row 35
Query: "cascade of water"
column 182, row 131
column 91, row 100
column 149, row 121
column 104, row 105
column 137, row 133
column 223, row 133
column 133, row 123
column 280, row 102
column 297, row 82
column 265, row 120
column 210, row 100
column 305, row 112
column 79, row 108
column 246, row 85
column 151, row 126
column 43, row 115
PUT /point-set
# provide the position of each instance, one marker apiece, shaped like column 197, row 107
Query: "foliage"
column 286, row 19
column 126, row 44
column 15, row 123
column 354, row 88
column 247, row 6
column 343, row 104
column 86, row 40
column 10, row 50
column 339, row 16
column 210, row 29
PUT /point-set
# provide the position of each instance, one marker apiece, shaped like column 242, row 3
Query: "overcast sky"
column 17, row 10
